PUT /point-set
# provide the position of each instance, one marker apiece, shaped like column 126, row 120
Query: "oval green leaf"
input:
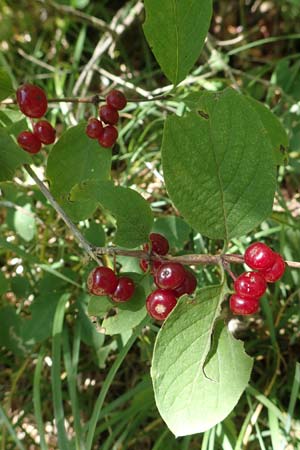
column 73, row 159
column 218, row 166
column 6, row 87
column 194, row 365
column 11, row 156
column 176, row 31
column 131, row 210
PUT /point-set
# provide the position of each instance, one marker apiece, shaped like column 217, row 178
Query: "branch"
column 76, row 233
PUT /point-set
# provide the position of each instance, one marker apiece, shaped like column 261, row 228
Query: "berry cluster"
column 103, row 281
column 108, row 113
column 250, row 286
column 32, row 101
column 171, row 278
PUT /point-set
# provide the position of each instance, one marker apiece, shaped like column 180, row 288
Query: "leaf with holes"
column 218, row 165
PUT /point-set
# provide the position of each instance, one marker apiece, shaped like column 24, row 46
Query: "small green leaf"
column 10, row 331
column 175, row 229
column 6, row 87
column 128, row 315
column 176, row 31
column 132, row 212
column 11, row 156
column 24, row 223
column 73, row 159
column 275, row 130
column 218, row 165
column 99, row 306
column 95, row 234
column 194, row 365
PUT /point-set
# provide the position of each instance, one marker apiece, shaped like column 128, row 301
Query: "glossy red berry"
column 124, row 290
column 259, row 256
column 102, row 281
column 170, row 275
column 160, row 303
column 159, row 244
column 94, row 128
column 188, row 286
column 243, row 306
column 32, row 100
column 276, row 271
column 250, row 284
column 44, row 131
column 108, row 114
column 108, row 136
column 154, row 266
column 29, row 142
column 116, row 99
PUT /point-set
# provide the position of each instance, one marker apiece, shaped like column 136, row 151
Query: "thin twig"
column 76, row 233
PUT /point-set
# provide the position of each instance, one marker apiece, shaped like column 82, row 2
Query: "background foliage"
column 66, row 48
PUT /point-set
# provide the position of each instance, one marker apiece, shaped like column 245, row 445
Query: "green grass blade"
column 5, row 421
column 37, row 405
column 63, row 443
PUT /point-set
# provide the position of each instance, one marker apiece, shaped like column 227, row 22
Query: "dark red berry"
column 160, row 303
column 32, row 100
column 250, row 284
column 259, row 256
column 154, row 266
column 170, row 275
column 243, row 306
column 276, row 271
column 124, row 290
column 29, row 142
column 188, row 286
column 94, row 128
column 108, row 114
column 102, row 281
column 116, row 99
column 159, row 243
column 45, row 132
column 108, row 136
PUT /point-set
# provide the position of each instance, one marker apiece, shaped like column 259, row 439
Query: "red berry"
column 259, row 256
column 116, row 99
column 45, row 132
column 275, row 272
column 102, row 281
column 94, row 128
column 160, row 244
column 155, row 265
column 109, row 115
column 29, row 142
column 108, row 136
column 250, row 284
column 32, row 100
column 188, row 286
column 160, row 303
column 170, row 275
column 124, row 290
column 243, row 306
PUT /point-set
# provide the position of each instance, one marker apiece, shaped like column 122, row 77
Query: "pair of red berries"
column 172, row 279
column 107, row 135
column 250, row 286
column 32, row 101
column 103, row 281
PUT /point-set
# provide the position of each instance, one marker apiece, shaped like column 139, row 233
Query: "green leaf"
column 10, row 331
column 99, row 306
column 6, row 87
column 194, row 369
column 24, row 223
column 275, row 130
column 132, row 212
column 175, row 229
column 176, row 31
column 4, row 284
column 218, row 165
column 11, row 156
column 73, row 159
column 128, row 315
